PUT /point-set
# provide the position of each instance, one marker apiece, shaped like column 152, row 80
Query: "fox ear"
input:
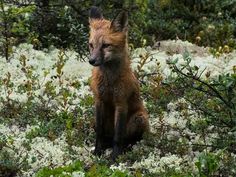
column 120, row 23
column 95, row 13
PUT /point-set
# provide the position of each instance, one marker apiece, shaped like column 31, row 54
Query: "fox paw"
column 98, row 151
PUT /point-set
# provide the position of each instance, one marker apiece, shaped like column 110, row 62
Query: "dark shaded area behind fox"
column 121, row 118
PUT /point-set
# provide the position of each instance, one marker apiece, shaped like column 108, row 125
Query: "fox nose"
column 92, row 61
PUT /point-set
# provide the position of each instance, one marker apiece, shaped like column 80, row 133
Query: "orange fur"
column 115, row 88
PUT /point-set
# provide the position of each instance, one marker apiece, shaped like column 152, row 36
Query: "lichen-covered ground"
column 47, row 118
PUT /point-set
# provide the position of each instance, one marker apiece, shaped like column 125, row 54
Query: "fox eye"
column 105, row 45
column 91, row 45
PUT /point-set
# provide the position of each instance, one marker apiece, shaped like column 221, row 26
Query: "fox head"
column 108, row 39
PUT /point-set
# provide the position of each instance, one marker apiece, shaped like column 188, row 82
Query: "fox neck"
column 117, row 67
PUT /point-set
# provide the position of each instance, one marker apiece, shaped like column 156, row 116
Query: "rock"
column 179, row 47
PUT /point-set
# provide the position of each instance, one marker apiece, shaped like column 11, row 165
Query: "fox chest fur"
column 110, row 87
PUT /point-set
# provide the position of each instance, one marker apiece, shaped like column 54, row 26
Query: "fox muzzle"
column 96, row 57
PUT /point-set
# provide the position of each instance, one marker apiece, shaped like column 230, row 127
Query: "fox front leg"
column 120, row 130
column 99, row 128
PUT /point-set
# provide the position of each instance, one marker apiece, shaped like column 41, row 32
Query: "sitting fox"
column 121, row 118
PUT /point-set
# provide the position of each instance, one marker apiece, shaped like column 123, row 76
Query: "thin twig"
column 204, row 83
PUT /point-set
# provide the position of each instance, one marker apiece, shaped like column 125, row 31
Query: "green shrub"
column 65, row 171
column 207, row 164
column 9, row 164
column 65, row 23
column 77, row 167
column 15, row 26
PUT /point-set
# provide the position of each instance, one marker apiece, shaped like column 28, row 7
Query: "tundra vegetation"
column 187, row 79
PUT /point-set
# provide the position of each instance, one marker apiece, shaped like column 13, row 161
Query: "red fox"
column 121, row 118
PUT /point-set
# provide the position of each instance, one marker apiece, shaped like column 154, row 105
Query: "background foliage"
column 64, row 23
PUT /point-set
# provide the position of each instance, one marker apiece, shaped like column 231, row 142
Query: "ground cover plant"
column 47, row 115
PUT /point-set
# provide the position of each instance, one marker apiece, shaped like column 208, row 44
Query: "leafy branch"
column 215, row 97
